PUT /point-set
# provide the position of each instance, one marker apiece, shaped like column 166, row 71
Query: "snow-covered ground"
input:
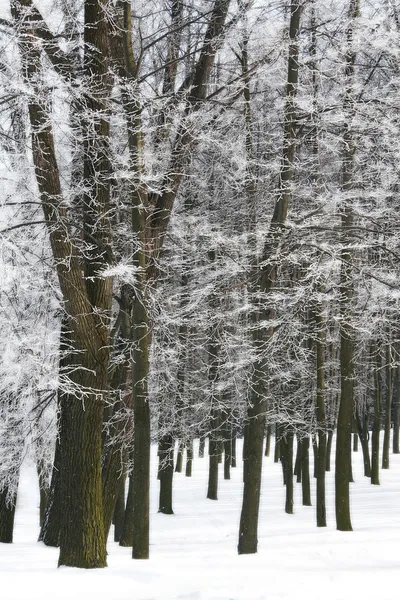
column 193, row 553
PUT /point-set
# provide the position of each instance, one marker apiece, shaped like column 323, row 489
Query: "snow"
column 193, row 553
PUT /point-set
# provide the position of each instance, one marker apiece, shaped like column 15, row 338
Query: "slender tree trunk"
column 227, row 458
column 126, row 536
column 322, row 453
column 329, row 450
column 234, row 451
column 166, row 474
column 299, row 459
column 388, row 409
column 119, row 511
column 376, row 428
column 44, row 490
column 265, row 278
column 179, row 457
column 305, row 472
column 288, row 466
column 212, row 490
column 277, row 450
column 268, row 440
column 202, row 445
column 396, row 415
column 363, row 432
column 189, row 458
column 343, row 472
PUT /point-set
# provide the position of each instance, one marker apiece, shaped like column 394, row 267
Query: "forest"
column 199, row 241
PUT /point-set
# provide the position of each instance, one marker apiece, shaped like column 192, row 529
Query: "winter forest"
column 199, row 252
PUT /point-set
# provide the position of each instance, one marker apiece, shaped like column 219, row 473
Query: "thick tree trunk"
column 8, row 503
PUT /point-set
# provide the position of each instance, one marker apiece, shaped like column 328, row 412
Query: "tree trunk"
column 396, row 415
column 179, row 457
column 227, row 458
column 268, row 440
column 329, row 450
column 376, row 428
column 7, row 514
column 212, row 490
column 234, row 450
column 305, row 472
column 363, row 432
column 202, row 445
column 277, row 449
column 298, row 462
column 119, row 510
column 322, row 454
column 126, row 536
column 44, row 490
column 388, row 409
column 166, row 473
column 343, row 473
column 189, row 458
column 265, row 279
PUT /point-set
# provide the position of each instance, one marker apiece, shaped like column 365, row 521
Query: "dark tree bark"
column 264, row 279
column 396, row 415
column 343, row 474
column 8, row 503
column 363, row 432
column 166, row 473
column 179, row 457
column 189, row 458
column 268, row 440
column 305, row 472
column 126, row 536
column 202, row 445
column 388, row 408
column 119, row 511
column 376, row 428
